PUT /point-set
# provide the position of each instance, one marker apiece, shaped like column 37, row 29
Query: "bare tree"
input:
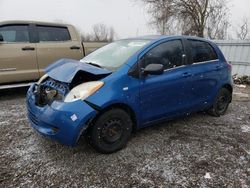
column 190, row 17
column 100, row 33
column 217, row 23
column 162, row 13
column 103, row 33
column 242, row 32
column 111, row 34
column 86, row 37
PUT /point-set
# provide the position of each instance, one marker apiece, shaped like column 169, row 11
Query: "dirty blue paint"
column 176, row 92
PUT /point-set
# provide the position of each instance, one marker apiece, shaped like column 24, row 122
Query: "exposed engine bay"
column 50, row 89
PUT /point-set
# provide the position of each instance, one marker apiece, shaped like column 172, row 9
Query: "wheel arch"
column 122, row 106
column 229, row 88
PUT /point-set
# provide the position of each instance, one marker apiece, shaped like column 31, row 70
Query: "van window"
column 201, row 51
column 15, row 33
column 51, row 33
column 169, row 54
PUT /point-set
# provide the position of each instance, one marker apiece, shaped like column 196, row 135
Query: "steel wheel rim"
column 112, row 131
column 222, row 103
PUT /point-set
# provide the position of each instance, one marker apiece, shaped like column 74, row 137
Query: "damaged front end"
column 52, row 103
column 62, row 76
column 49, row 90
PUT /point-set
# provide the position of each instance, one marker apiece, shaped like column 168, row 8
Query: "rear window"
column 51, row 33
column 201, row 51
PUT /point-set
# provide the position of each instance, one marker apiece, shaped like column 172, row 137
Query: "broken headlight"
column 83, row 91
column 42, row 79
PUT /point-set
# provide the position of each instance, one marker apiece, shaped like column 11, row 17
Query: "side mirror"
column 1, row 38
column 154, row 69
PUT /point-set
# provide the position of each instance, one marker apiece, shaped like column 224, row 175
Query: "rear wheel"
column 221, row 103
column 111, row 131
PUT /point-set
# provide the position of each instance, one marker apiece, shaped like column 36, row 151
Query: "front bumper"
column 61, row 121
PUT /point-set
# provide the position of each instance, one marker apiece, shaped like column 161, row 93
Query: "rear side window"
column 169, row 54
column 201, row 51
column 51, row 33
column 15, row 33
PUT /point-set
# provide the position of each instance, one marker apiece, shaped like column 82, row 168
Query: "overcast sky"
column 127, row 17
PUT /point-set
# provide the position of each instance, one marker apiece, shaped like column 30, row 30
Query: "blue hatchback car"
column 126, row 85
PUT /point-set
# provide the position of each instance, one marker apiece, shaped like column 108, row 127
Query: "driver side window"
column 169, row 54
column 15, row 33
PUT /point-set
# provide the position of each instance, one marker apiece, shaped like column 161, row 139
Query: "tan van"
column 26, row 48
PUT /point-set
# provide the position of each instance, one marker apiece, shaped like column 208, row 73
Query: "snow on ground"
column 194, row 151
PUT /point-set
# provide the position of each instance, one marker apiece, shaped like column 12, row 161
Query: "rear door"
column 206, row 70
column 54, row 43
column 165, row 95
column 18, row 60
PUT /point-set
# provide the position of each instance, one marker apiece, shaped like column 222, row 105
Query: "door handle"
column 75, row 48
column 27, row 48
column 186, row 74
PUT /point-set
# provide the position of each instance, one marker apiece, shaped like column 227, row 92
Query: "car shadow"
column 180, row 126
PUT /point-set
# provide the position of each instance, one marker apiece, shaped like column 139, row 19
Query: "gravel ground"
column 194, row 151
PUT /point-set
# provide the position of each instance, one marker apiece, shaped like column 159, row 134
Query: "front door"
column 18, row 60
column 165, row 95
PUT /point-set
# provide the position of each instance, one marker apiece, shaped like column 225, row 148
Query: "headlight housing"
column 83, row 91
column 42, row 79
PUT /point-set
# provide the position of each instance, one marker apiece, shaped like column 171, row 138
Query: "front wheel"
column 221, row 103
column 111, row 131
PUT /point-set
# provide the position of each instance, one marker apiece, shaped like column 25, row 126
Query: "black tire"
column 111, row 131
column 221, row 103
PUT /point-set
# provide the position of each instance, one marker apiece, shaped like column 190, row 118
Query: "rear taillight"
column 229, row 65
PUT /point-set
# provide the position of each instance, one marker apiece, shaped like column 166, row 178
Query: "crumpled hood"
column 64, row 70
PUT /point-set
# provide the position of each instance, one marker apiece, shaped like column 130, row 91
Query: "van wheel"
column 111, row 131
column 221, row 103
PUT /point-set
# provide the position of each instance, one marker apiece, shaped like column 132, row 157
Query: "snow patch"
column 240, row 86
column 207, row 175
column 4, row 122
column 245, row 128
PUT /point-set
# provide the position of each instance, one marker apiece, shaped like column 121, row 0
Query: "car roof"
column 32, row 22
column 160, row 37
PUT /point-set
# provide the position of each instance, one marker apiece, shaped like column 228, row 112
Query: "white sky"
column 127, row 17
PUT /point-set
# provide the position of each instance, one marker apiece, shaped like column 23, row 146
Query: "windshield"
column 115, row 54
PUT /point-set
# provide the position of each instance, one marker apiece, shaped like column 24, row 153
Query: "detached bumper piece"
column 61, row 121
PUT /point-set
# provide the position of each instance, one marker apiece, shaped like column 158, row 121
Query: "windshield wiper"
column 94, row 64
